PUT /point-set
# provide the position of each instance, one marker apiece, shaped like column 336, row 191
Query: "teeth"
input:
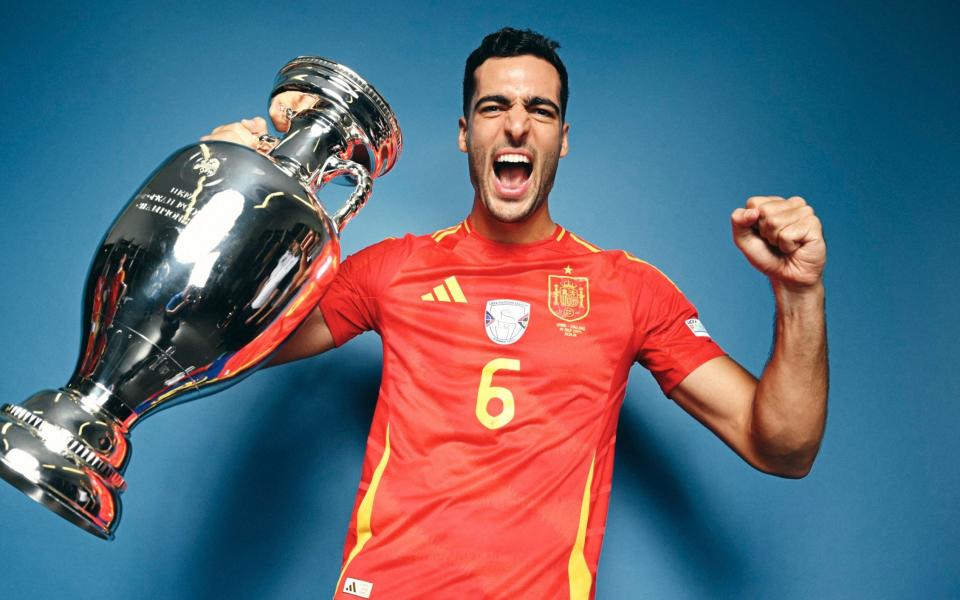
column 513, row 158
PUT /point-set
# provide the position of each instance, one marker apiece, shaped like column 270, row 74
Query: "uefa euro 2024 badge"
column 506, row 320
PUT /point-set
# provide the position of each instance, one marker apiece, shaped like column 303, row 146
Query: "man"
column 507, row 342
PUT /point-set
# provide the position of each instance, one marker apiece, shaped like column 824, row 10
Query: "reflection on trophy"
column 214, row 262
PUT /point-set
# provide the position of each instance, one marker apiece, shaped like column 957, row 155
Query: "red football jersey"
column 488, row 465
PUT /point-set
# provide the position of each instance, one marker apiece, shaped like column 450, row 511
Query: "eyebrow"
column 527, row 101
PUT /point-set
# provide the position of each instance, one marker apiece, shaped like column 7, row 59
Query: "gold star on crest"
column 567, row 270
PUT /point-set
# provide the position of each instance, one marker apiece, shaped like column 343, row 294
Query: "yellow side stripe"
column 589, row 247
column 455, row 290
column 643, row 262
column 428, row 297
column 581, row 580
column 365, row 510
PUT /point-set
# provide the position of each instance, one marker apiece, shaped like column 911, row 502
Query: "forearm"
column 311, row 338
column 789, row 409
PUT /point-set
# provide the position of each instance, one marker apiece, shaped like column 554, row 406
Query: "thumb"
column 749, row 241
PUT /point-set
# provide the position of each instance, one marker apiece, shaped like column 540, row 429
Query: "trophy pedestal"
column 36, row 466
column 48, row 495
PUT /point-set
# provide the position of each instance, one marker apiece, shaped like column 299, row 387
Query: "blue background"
column 677, row 113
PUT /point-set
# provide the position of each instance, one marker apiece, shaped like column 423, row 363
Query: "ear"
column 462, row 134
column 563, row 141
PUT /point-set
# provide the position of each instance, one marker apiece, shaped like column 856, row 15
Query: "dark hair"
column 513, row 42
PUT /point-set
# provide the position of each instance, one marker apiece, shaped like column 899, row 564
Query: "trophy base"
column 44, row 461
column 50, row 498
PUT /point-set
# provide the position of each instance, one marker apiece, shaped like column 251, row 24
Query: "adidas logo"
column 448, row 291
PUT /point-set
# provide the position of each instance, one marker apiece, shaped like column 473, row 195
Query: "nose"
column 517, row 123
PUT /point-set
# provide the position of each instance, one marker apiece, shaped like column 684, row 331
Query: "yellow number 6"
column 488, row 392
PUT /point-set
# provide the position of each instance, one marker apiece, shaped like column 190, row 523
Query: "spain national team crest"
column 568, row 297
column 506, row 320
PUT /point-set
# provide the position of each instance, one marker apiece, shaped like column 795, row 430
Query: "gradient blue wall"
column 678, row 114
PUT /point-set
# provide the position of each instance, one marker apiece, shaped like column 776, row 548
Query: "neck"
column 537, row 226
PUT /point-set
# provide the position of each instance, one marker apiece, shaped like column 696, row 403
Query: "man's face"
column 514, row 135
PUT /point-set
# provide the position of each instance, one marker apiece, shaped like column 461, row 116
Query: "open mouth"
column 512, row 170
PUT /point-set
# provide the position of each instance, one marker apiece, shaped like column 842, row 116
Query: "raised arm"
column 776, row 424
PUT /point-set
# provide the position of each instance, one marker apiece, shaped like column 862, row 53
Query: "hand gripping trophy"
column 214, row 262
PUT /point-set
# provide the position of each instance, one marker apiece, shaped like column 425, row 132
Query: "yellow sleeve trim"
column 445, row 232
column 643, row 262
column 589, row 247
column 365, row 510
column 578, row 571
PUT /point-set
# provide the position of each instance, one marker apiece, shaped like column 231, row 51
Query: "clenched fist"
column 782, row 238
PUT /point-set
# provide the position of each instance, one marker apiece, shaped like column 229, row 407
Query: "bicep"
column 720, row 394
column 311, row 338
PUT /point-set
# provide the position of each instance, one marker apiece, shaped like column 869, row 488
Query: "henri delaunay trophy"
column 212, row 264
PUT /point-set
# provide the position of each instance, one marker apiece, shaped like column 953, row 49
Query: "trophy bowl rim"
column 362, row 86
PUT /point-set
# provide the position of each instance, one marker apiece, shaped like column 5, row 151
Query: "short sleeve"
column 351, row 304
column 671, row 340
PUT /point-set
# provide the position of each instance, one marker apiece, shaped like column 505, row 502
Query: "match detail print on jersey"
column 506, row 320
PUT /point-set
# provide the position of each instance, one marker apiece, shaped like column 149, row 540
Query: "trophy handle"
column 361, row 193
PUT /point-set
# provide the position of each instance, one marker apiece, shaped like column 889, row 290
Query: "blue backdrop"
column 677, row 113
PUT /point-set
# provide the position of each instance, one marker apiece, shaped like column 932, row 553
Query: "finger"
column 278, row 116
column 303, row 101
column 797, row 234
column 743, row 221
column 777, row 213
column 772, row 223
column 749, row 241
column 237, row 133
column 256, row 126
column 745, row 217
column 278, row 109
column 756, row 250
column 758, row 201
column 777, row 205
column 220, row 128
column 285, row 102
column 229, row 128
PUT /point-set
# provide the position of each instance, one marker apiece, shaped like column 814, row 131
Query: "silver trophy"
column 214, row 262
